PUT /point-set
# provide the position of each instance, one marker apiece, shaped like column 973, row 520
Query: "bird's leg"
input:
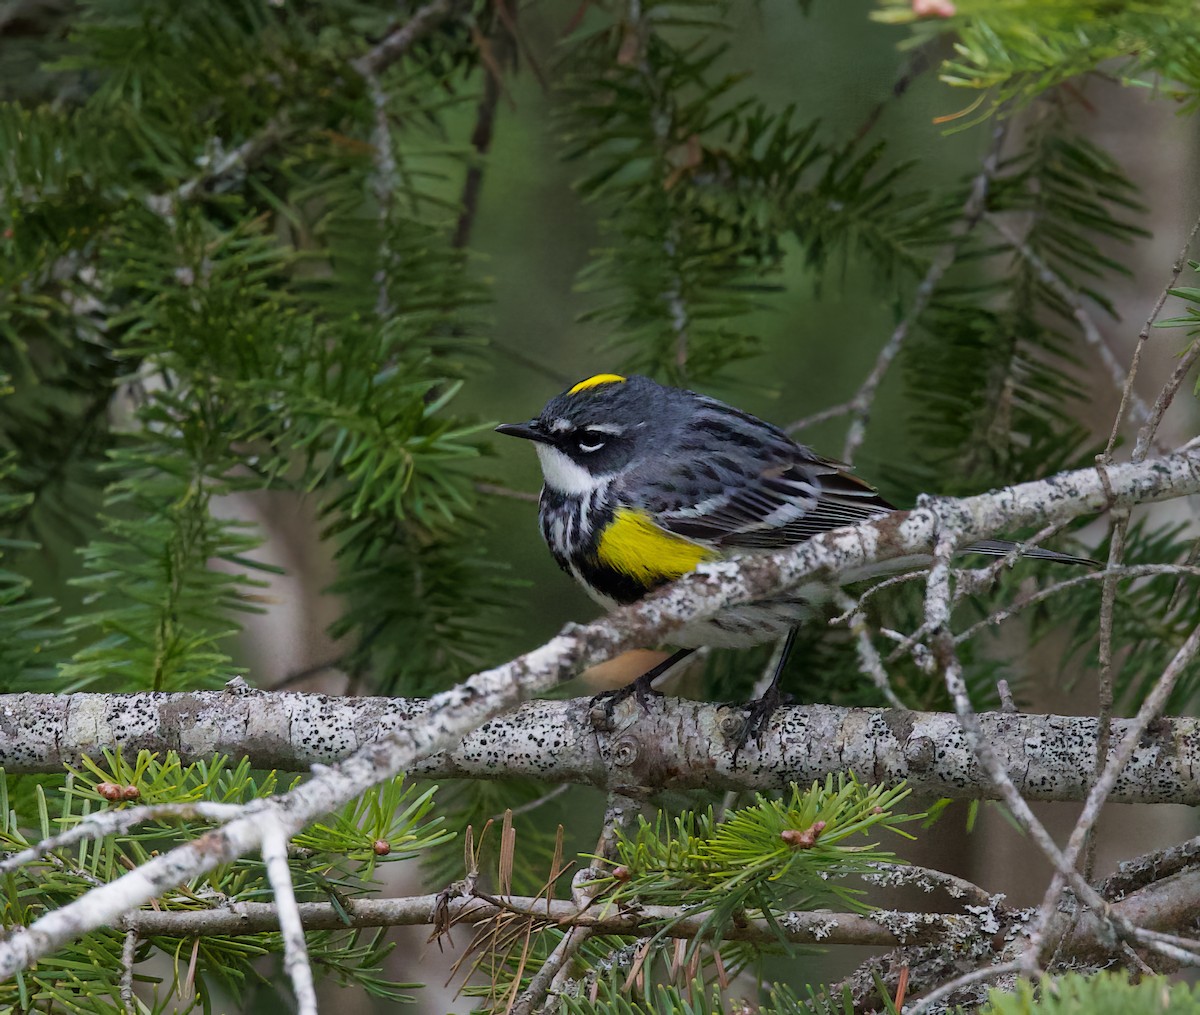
column 763, row 707
column 641, row 686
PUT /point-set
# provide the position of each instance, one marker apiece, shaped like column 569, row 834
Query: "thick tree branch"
column 676, row 743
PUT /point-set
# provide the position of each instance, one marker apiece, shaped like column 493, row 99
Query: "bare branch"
column 128, row 960
column 1151, row 708
column 833, row 412
column 295, row 952
column 800, row 927
column 113, row 822
column 947, row 990
column 1162, row 403
column 1109, row 574
column 496, row 490
column 402, row 38
column 1160, row 906
column 868, row 655
column 1144, row 335
column 673, row 743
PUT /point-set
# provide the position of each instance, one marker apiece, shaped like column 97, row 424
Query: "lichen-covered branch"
column 988, row 927
column 677, row 743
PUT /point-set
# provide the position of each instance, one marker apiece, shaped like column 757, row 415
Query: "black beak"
column 529, row 431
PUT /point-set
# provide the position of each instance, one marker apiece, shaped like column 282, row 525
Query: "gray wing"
column 780, row 506
column 736, row 481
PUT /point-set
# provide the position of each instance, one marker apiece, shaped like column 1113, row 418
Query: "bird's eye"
column 590, row 440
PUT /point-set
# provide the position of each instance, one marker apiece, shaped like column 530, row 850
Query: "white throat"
column 565, row 476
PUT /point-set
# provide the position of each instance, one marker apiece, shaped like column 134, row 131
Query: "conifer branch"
column 1087, row 326
column 882, row 928
column 988, row 920
column 972, row 211
column 429, row 910
column 1143, row 336
column 402, row 38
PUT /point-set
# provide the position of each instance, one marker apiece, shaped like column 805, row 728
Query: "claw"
column 757, row 714
column 641, row 688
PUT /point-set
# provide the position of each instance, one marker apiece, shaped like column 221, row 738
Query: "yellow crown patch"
column 598, row 379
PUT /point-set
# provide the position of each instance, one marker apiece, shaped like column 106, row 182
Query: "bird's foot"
column 641, row 688
column 757, row 714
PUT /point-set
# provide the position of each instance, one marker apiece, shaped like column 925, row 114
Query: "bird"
column 644, row 482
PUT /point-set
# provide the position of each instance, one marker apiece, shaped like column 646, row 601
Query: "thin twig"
column 533, row 805
column 291, row 926
column 496, row 490
column 243, row 156
column 973, row 209
column 868, row 656
column 618, row 814
column 503, row 47
column 1143, row 336
column 118, row 821
column 1125, row 571
column 384, row 184
column 128, row 960
column 1091, row 333
column 402, row 38
column 1104, row 690
column 937, row 612
column 919, row 61
column 1004, row 693
column 530, row 362
column 973, row 582
column 949, row 989
column 1146, row 435
column 899, row 579
column 1151, row 708
column 833, row 412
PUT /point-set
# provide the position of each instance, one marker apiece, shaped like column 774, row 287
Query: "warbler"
column 644, row 482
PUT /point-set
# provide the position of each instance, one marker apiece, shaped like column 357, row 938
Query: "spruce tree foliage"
column 1103, row 994
column 230, row 264
column 338, row 860
column 773, row 856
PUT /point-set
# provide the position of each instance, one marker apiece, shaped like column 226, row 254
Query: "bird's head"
column 598, row 428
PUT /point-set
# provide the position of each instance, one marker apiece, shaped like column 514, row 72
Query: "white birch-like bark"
column 677, row 743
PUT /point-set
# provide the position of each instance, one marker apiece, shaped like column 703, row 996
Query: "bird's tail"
column 1001, row 547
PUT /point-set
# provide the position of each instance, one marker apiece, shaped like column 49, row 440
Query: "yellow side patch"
column 634, row 545
column 592, row 382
